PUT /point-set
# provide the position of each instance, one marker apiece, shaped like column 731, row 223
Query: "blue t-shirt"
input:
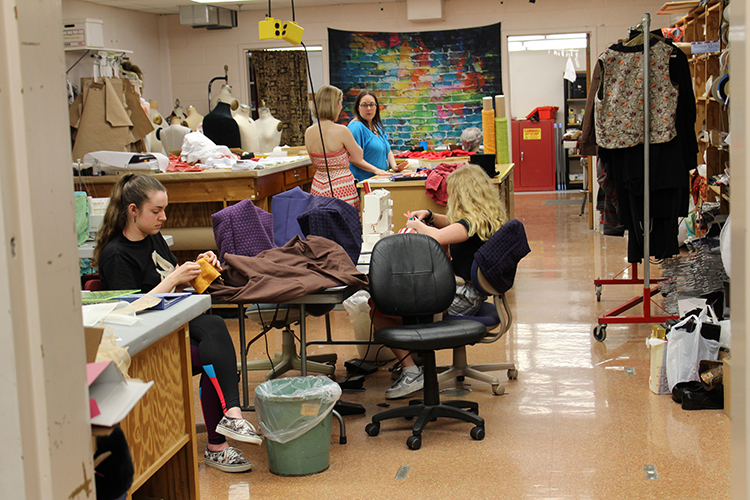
column 375, row 148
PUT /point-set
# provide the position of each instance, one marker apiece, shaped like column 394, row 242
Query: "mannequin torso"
column 173, row 135
column 269, row 130
column 225, row 95
column 248, row 131
column 193, row 118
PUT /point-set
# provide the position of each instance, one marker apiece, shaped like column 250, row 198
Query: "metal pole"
column 646, row 169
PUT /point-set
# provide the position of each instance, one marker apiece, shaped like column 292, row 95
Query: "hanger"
column 636, row 37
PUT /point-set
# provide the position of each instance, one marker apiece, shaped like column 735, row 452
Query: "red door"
column 533, row 155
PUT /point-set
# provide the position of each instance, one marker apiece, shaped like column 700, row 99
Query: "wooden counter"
column 194, row 196
column 411, row 195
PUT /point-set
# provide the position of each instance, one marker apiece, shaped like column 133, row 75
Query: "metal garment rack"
column 613, row 316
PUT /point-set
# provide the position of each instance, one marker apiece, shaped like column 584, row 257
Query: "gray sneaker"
column 407, row 383
column 239, row 429
column 227, row 460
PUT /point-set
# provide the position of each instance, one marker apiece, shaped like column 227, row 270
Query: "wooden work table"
column 411, row 195
column 194, row 196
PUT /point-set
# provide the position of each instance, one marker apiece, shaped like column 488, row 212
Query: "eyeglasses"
column 368, row 105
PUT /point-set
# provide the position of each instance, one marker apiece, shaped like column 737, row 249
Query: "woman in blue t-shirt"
column 369, row 133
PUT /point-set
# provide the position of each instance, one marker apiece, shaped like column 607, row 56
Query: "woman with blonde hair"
column 474, row 214
column 331, row 147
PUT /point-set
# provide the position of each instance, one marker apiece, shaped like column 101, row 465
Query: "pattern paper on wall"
column 429, row 84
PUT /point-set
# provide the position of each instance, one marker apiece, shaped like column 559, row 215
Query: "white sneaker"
column 407, row 383
column 239, row 429
column 227, row 460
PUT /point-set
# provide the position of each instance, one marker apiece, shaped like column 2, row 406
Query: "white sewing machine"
column 377, row 215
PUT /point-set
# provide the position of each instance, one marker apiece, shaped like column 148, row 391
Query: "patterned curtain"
column 281, row 80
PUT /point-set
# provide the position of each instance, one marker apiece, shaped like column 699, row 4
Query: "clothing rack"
column 613, row 316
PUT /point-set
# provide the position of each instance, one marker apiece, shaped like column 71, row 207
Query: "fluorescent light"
column 566, row 35
column 525, row 38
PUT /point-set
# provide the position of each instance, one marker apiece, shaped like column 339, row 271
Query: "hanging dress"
column 342, row 179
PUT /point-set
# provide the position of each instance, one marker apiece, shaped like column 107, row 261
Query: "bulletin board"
column 430, row 84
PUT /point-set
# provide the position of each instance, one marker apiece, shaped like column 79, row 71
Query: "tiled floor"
column 578, row 423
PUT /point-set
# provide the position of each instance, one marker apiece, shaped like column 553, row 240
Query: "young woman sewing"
column 474, row 214
column 131, row 253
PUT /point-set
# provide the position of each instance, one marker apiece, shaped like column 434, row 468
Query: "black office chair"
column 411, row 277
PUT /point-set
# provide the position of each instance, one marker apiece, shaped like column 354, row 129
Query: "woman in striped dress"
column 338, row 147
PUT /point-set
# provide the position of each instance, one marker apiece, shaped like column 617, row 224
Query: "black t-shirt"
column 128, row 265
column 462, row 254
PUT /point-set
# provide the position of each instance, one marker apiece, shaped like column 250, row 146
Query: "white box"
column 83, row 33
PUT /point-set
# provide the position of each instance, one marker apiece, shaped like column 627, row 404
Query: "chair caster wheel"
column 512, row 374
column 600, row 332
column 477, row 433
column 498, row 390
column 372, row 429
column 414, row 442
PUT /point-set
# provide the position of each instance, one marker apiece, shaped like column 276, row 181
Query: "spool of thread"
column 502, row 144
column 488, row 130
column 499, row 106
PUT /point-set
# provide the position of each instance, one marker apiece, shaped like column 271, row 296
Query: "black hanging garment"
column 221, row 127
column 673, row 145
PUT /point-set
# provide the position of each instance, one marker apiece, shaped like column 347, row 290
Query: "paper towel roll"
column 488, row 130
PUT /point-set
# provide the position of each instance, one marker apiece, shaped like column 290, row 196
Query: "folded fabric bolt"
column 207, row 276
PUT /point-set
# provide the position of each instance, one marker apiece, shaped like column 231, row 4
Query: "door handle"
column 521, row 155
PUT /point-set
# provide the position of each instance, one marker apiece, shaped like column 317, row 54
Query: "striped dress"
column 341, row 177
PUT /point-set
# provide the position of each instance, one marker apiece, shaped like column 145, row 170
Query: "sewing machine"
column 377, row 215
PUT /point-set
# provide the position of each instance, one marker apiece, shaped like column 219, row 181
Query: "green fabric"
column 82, row 216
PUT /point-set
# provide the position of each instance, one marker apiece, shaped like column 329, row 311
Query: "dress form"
column 269, row 130
column 153, row 144
column 193, row 118
column 173, row 135
column 221, row 127
column 225, row 95
column 248, row 132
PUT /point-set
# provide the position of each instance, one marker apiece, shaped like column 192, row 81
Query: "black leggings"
column 214, row 358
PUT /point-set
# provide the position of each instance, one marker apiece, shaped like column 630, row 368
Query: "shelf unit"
column 704, row 24
column 574, row 94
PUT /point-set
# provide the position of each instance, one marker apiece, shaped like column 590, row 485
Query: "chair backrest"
column 242, row 229
column 498, row 258
column 285, row 207
column 94, row 285
column 411, row 277
column 335, row 220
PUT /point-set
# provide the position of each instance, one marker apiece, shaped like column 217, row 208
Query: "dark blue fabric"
column 499, row 256
column 487, row 315
column 335, row 220
column 285, row 208
column 242, row 229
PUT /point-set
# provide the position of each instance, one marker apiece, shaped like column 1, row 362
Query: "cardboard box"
column 657, row 378
column 111, row 397
column 93, row 339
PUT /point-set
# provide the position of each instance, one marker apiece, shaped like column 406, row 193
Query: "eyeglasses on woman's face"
column 368, row 105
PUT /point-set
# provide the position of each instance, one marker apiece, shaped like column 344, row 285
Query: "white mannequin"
column 248, row 131
column 173, row 135
column 225, row 95
column 154, row 145
column 193, row 118
column 269, row 130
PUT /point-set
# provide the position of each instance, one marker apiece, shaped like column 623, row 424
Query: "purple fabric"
column 499, row 256
column 285, row 208
column 335, row 220
column 242, row 229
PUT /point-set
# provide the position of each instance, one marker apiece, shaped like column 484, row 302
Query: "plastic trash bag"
column 358, row 307
column 289, row 407
column 686, row 348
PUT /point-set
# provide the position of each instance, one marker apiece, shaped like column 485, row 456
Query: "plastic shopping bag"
column 686, row 347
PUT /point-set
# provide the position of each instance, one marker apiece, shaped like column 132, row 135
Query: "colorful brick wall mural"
column 430, row 84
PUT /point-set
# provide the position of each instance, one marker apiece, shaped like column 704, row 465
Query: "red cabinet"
column 534, row 155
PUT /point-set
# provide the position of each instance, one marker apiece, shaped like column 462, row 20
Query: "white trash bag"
column 686, row 348
column 358, row 308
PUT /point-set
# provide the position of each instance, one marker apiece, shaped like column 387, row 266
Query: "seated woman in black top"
column 132, row 254
column 474, row 214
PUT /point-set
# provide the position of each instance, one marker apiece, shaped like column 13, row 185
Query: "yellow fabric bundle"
column 488, row 130
column 207, row 276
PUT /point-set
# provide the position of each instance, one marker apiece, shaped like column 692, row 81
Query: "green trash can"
column 295, row 417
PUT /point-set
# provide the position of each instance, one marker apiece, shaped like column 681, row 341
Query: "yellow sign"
column 532, row 134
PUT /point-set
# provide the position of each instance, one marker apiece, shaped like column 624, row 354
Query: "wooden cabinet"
column 710, row 72
column 533, row 155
